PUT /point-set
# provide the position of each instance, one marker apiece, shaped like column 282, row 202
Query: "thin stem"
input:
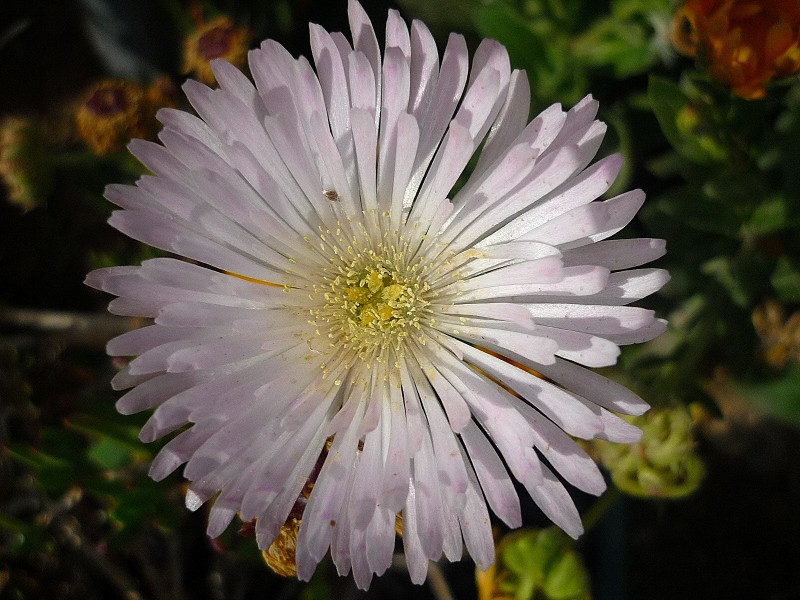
column 78, row 329
column 68, row 533
column 601, row 507
column 436, row 578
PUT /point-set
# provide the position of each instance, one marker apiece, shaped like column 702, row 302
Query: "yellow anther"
column 358, row 295
column 373, row 281
column 392, row 292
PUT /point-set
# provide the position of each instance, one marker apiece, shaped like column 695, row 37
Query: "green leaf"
column 771, row 216
column 724, row 271
column 666, row 101
column 109, row 454
column 20, row 537
column 124, row 436
column 698, row 211
column 567, row 579
column 684, row 123
column 538, row 45
column 777, row 398
column 525, row 559
column 786, row 280
column 58, row 460
column 141, row 502
column 502, row 22
column 449, row 15
column 623, row 45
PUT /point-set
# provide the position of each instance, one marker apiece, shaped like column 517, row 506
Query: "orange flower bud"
column 743, row 43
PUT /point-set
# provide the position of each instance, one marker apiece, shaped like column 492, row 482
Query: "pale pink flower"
column 399, row 290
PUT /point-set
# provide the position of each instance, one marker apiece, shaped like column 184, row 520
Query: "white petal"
column 153, row 392
column 424, row 67
column 449, row 389
column 624, row 287
column 578, row 283
column 514, row 343
column 333, row 80
column 564, row 409
column 444, row 99
column 499, row 311
column 586, row 186
column 325, row 504
column 449, row 464
column 397, row 33
column 178, row 450
column 616, row 254
column 380, row 537
column 555, row 502
column 416, row 558
column 396, row 81
column 564, row 455
column 368, row 472
column 491, row 472
column 394, row 487
column 590, row 222
column 510, row 122
column 549, row 172
column 364, row 41
column 427, row 515
column 365, row 140
column 476, row 526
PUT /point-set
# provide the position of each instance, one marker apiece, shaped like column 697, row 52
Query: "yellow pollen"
column 371, row 302
column 376, row 299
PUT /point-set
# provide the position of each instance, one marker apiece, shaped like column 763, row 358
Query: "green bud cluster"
column 663, row 464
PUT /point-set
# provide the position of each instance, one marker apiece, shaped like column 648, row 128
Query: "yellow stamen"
column 253, row 279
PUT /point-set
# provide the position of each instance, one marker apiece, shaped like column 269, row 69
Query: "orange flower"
column 115, row 111
column 744, row 43
column 218, row 38
column 162, row 92
column 111, row 114
column 25, row 168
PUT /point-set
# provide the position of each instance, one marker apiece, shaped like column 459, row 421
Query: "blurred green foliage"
column 567, row 45
column 536, row 565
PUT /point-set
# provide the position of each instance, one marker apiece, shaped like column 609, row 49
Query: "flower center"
column 371, row 302
column 216, row 42
column 377, row 300
column 108, row 101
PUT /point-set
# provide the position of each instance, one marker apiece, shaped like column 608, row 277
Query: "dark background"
column 90, row 528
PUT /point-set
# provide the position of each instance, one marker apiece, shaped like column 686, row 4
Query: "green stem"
column 595, row 514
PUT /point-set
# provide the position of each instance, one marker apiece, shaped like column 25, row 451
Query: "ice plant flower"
column 356, row 317
column 744, row 43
